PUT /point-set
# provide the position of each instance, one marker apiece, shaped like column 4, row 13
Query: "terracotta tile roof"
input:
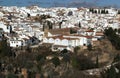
column 34, row 26
column 89, row 31
column 25, row 39
column 61, row 37
column 99, row 34
column 47, row 44
column 64, row 31
column 17, row 29
column 88, row 37
column 60, row 31
column 79, row 35
column 60, row 46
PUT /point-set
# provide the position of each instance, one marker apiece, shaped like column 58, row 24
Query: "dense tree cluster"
column 45, row 16
column 50, row 25
column 70, row 13
column 40, row 18
column 5, row 50
column 110, row 73
column 116, row 58
column 118, row 11
column 114, row 70
column 82, row 62
column 36, row 62
column 56, row 61
column 89, row 47
column 99, row 11
column 72, row 31
column 79, row 25
column 113, row 37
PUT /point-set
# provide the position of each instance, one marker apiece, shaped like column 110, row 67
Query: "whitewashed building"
column 5, row 28
column 15, row 43
column 69, row 42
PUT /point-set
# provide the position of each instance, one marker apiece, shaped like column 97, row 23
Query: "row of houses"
column 61, row 41
column 21, row 28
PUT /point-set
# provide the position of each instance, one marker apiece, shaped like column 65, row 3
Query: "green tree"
column 89, row 47
column 56, row 61
column 106, row 12
column 113, row 37
column 75, row 63
column 111, row 73
column 64, row 51
column 60, row 23
column 97, row 61
column 5, row 50
column 118, row 68
column 39, row 67
column 95, row 11
column 99, row 11
column 66, row 58
column 85, row 62
column 40, row 61
column 76, row 49
column 116, row 58
column 31, row 74
column 118, row 11
column 28, row 15
column 79, row 25
column 72, row 31
column 82, row 62
column 90, row 9
column 11, row 75
column 119, row 30
column 70, row 13
column 39, row 57
column 103, row 11
column 43, row 26
column 50, row 25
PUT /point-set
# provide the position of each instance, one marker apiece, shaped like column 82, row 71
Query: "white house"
column 5, row 28
column 67, row 41
column 15, row 43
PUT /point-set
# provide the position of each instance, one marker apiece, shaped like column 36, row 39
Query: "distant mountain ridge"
column 60, row 3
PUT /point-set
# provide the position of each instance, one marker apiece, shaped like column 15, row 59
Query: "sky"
column 59, row 3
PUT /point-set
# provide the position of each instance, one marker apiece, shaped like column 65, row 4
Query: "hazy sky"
column 67, row 3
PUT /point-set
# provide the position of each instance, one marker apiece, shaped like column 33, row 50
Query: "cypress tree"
column 60, row 23
column 79, row 25
column 97, row 61
column 111, row 73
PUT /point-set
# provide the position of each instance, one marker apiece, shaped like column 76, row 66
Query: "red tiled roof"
column 99, row 33
column 25, row 39
column 89, row 31
column 89, row 37
column 61, row 37
column 60, row 46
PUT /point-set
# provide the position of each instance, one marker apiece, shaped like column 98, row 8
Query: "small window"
column 55, row 48
column 7, row 27
column 84, row 44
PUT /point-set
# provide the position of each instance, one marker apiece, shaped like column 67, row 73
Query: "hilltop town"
column 51, row 31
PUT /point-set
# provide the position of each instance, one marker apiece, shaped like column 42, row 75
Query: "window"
column 84, row 44
column 7, row 27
